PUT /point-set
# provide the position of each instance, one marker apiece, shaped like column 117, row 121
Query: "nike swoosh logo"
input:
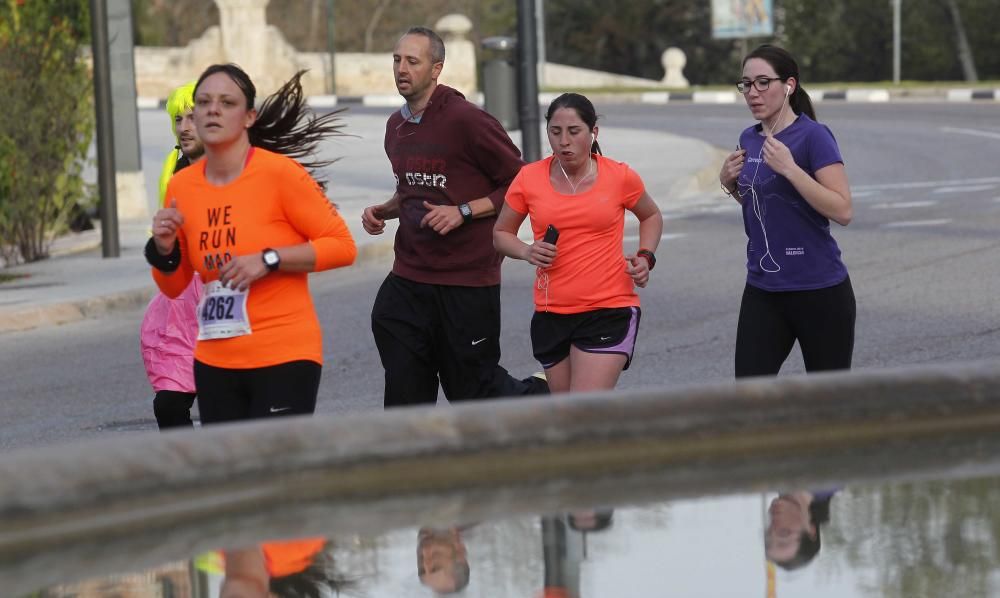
column 605, row 338
column 474, row 343
column 279, row 409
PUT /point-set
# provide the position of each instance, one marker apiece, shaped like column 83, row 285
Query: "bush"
column 47, row 123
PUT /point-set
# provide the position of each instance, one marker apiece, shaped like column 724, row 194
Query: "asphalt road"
column 923, row 252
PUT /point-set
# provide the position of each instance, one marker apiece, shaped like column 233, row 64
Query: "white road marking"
column 974, row 132
column 916, row 223
column 963, row 189
column 665, row 237
column 926, row 184
column 901, row 205
column 528, row 238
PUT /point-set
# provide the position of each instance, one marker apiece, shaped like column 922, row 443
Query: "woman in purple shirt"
column 789, row 177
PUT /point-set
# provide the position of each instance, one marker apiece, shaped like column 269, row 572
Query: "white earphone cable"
column 756, row 201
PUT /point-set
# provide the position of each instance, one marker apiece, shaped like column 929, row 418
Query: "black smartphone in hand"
column 551, row 235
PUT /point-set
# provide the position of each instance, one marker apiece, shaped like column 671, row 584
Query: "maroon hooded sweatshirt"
column 455, row 154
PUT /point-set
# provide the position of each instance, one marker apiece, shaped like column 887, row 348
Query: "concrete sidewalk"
column 77, row 283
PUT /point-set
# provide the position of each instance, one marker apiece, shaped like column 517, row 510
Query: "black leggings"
column 770, row 322
column 428, row 332
column 173, row 409
column 228, row 394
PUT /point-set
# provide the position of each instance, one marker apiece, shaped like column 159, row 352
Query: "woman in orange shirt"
column 586, row 308
column 302, row 567
column 253, row 223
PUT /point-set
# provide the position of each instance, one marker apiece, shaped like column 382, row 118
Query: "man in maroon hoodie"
column 437, row 315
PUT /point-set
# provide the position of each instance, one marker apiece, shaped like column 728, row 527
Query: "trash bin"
column 500, row 81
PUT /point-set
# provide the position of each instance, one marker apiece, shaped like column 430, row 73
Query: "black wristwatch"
column 650, row 258
column 272, row 260
column 466, row 211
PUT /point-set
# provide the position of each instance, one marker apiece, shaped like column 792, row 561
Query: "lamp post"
column 896, row 40
column 110, row 246
column 527, row 78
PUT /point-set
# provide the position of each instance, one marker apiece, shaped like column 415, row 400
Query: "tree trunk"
column 373, row 24
column 313, row 42
column 962, row 43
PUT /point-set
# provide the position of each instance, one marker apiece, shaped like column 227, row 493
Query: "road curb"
column 67, row 312
column 851, row 95
column 72, row 311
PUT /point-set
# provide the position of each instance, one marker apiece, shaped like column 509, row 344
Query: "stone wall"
column 245, row 38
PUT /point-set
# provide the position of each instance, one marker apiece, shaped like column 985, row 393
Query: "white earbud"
column 788, row 90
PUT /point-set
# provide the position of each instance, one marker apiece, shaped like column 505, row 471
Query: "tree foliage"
column 47, row 124
column 920, row 539
column 859, row 46
column 835, row 40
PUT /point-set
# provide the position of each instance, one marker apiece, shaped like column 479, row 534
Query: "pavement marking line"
column 664, row 237
column 902, row 205
column 965, row 189
column 655, row 97
column 916, row 223
column 973, row 132
column 527, row 238
column 927, row 184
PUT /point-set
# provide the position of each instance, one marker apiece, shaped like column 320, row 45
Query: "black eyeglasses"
column 761, row 83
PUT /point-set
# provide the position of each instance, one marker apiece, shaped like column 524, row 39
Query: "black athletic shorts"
column 606, row 330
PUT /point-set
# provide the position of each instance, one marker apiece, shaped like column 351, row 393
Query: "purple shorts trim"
column 625, row 347
column 604, row 330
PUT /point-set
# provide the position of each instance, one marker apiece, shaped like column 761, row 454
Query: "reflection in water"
column 928, row 539
column 286, row 569
column 792, row 538
column 442, row 561
column 924, row 539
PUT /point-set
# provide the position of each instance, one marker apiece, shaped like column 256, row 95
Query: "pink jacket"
column 167, row 337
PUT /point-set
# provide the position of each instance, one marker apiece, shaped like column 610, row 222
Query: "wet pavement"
column 929, row 538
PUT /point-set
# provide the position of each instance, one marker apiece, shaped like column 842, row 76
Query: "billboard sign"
column 742, row 18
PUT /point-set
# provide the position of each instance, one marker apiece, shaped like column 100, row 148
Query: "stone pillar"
column 460, row 54
column 243, row 24
column 673, row 61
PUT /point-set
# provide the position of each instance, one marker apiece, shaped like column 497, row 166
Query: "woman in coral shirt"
column 586, row 308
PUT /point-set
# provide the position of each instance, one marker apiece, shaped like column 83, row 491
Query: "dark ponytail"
column 285, row 124
column 784, row 66
column 584, row 108
column 319, row 575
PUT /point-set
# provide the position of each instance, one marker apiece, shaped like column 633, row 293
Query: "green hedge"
column 47, row 121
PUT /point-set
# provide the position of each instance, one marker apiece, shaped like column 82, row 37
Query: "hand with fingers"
column 731, row 168
column 241, row 271
column 166, row 223
column 373, row 220
column 442, row 218
column 638, row 268
column 777, row 155
column 540, row 254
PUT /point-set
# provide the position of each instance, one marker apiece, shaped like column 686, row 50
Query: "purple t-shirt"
column 789, row 245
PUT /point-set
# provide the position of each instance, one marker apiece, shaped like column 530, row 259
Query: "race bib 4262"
column 222, row 312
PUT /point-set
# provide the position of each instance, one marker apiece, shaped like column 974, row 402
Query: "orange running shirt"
column 273, row 203
column 291, row 556
column 589, row 270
